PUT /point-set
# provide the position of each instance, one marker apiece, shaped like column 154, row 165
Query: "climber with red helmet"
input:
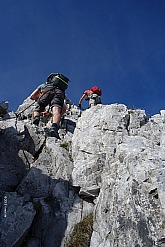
column 93, row 95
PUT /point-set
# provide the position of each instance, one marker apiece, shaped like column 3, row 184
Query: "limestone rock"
column 109, row 162
column 25, row 110
column 96, row 138
column 12, row 168
column 129, row 210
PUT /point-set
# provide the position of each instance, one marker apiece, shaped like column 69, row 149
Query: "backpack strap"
column 57, row 76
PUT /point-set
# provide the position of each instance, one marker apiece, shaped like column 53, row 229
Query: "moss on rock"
column 82, row 233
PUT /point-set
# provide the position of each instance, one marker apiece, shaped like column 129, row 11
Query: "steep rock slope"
column 109, row 162
column 37, row 197
column 120, row 153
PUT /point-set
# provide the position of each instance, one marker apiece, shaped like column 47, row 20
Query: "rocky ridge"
column 109, row 162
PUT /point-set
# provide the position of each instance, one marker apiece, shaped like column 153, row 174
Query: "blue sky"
column 118, row 45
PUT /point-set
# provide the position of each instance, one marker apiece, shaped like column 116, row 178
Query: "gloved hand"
column 79, row 106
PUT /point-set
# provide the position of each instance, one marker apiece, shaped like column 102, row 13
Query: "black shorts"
column 51, row 100
column 56, row 101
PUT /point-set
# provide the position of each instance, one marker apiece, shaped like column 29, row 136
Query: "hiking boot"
column 36, row 120
column 54, row 131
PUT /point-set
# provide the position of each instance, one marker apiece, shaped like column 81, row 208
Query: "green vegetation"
column 65, row 145
column 82, row 233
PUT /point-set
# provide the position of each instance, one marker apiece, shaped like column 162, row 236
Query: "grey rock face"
column 109, row 162
column 129, row 210
column 37, row 169
column 12, row 168
column 94, row 140
column 16, row 219
column 4, row 105
column 26, row 109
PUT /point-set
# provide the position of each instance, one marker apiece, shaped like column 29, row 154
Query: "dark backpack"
column 58, row 80
column 96, row 90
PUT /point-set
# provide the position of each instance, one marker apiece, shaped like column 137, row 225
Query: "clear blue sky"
column 118, row 45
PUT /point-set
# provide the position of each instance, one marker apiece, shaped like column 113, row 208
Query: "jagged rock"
column 129, row 210
column 48, row 182
column 4, row 105
column 128, row 204
column 4, row 109
column 94, row 139
column 32, row 139
column 12, row 167
column 109, row 162
column 16, row 219
column 26, row 109
column 54, row 161
column 27, row 158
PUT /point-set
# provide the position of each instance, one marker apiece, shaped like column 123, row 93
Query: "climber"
column 93, row 95
column 51, row 93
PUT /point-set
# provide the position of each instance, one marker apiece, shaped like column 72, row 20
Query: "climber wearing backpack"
column 93, row 95
column 51, row 93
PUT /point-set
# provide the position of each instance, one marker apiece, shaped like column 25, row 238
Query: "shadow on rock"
column 52, row 201
column 69, row 125
column 12, row 167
